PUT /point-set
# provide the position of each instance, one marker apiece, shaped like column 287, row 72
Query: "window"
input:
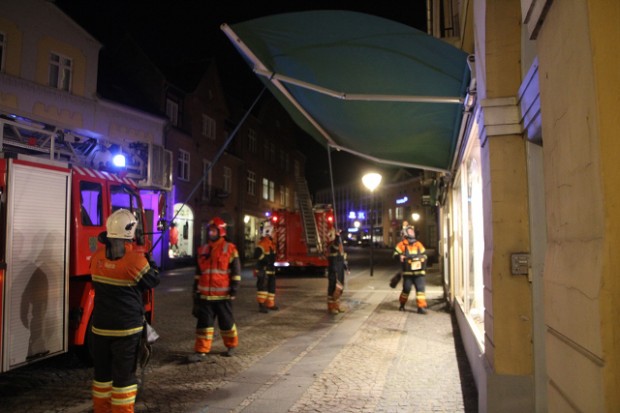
column 266, row 150
column 172, row 111
column 251, row 183
column 227, row 179
column 206, row 181
column 265, row 188
column 183, row 165
column 286, row 198
column 208, row 127
column 2, row 49
column 60, row 72
column 398, row 212
column 282, row 195
column 269, row 190
column 272, row 153
column 297, row 169
column 251, row 140
column 90, row 204
column 121, row 197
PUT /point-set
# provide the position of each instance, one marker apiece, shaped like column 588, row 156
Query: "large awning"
column 363, row 84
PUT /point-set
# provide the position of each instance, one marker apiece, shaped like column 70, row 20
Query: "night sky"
column 187, row 31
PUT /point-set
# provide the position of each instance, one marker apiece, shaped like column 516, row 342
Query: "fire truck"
column 56, row 193
column 301, row 235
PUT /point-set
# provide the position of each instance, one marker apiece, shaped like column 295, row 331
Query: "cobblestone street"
column 372, row 358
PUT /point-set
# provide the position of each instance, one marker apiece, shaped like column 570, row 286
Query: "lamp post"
column 371, row 181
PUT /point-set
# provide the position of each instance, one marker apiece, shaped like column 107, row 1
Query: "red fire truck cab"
column 51, row 215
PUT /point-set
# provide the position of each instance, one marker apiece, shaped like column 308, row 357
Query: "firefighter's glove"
column 152, row 263
column 196, row 305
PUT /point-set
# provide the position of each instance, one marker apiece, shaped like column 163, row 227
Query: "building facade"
column 528, row 221
column 48, row 86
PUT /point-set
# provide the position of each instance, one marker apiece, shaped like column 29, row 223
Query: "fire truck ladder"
column 313, row 242
column 36, row 138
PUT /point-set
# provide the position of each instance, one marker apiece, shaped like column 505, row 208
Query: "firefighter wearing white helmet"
column 264, row 271
column 120, row 275
column 217, row 280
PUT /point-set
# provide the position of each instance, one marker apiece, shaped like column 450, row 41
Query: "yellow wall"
column 13, row 49
column 605, row 40
column 511, row 313
column 578, row 53
column 512, row 305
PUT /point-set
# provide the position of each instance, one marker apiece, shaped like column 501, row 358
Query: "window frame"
column 62, row 69
column 183, row 165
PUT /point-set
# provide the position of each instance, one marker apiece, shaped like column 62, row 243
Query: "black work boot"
column 402, row 307
column 262, row 308
column 422, row 310
column 229, row 352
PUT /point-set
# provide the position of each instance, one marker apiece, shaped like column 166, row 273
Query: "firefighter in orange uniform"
column 120, row 275
column 335, row 271
column 215, row 287
column 265, row 272
column 413, row 259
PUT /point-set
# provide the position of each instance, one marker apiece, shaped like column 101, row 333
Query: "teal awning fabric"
column 361, row 83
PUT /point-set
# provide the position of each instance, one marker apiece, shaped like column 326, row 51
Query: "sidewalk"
column 371, row 358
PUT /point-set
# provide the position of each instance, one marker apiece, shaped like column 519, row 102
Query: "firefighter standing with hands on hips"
column 265, row 272
column 120, row 275
column 336, row 265
column 215, row 287
column 413, row 259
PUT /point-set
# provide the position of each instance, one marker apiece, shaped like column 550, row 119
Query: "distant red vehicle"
column 301, row 239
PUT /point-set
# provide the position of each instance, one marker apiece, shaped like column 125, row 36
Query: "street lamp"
column 371, row 181
column 415, row 216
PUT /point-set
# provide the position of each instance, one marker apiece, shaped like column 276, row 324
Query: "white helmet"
column 121, row 224
column 267, row 229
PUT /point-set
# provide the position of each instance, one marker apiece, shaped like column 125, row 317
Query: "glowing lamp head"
column 119, row 160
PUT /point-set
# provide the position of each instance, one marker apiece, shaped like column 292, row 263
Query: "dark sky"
column 186, row 31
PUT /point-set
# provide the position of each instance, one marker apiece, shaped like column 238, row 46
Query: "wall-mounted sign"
column 402, row 200
column 357, row 215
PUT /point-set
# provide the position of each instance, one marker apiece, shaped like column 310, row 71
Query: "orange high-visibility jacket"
column 219, row 270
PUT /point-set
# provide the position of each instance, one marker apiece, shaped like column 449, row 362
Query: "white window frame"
column 172, row 111
column 206, row 183
column 2, row 50
column 209, row 127
column 251, row 182
column 63, row 68
column 183, row 164
column 227, row 175
column 251, row 140
column 265, row 188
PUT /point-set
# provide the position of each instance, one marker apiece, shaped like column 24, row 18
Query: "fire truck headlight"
column 281, row 264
